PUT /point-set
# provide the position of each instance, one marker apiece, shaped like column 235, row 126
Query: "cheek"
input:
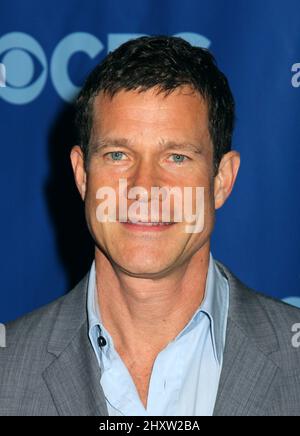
column 205, row 181
column 208, row 203
column 209, row 199
column 91, row 201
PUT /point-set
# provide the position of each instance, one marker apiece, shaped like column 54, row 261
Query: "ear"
column 225, row 179
column 77, row 161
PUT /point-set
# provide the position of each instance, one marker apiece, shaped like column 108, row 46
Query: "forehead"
column 181, row 112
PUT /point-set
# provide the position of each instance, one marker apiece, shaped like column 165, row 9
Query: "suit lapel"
column 74, row 380
column 246, row 377
column 247, row 372
column 73, row 377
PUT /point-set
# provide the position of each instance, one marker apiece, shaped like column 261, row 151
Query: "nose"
column 146, row 176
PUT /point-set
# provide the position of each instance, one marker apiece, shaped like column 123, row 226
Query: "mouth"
column 148, row 226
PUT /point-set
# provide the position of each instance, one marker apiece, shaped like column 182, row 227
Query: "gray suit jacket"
column 49, row 367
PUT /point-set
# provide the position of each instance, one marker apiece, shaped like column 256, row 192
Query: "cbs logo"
column 27, row 67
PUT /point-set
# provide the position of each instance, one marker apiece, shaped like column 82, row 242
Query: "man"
column 157, row 326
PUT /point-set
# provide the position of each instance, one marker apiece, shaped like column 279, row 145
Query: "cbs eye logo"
column 25, row 66
column 18, row 53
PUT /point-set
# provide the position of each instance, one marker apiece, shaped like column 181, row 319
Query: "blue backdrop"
column 47, row 48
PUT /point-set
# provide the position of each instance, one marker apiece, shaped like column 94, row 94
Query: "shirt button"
column 101, row 341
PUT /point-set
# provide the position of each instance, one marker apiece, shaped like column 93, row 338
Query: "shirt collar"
column 214, row 305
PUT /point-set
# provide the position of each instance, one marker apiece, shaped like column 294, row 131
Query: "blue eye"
column 178, row 158
column 116, row 155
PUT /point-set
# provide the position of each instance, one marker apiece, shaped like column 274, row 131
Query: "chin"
column 150, row 268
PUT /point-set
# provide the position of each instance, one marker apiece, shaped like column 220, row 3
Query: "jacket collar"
column 73, row 378
column 248, row 371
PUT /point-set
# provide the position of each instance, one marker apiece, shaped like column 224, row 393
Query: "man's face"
column 150, row 140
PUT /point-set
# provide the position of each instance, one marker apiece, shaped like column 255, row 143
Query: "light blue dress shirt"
column 186, row 373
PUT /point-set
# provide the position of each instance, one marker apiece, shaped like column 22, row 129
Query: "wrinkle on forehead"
column 180, row 117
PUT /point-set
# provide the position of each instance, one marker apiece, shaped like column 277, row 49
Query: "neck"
column 144, row 315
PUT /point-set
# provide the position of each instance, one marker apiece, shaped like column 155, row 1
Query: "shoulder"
column 285, row 321
column 33, row 343
column 256, row 304
column 30, row 333
column 28, row 348
column 271, row 324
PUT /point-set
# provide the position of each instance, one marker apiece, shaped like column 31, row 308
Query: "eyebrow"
column 125, row 143
column 101, row 143
column 180, row 146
